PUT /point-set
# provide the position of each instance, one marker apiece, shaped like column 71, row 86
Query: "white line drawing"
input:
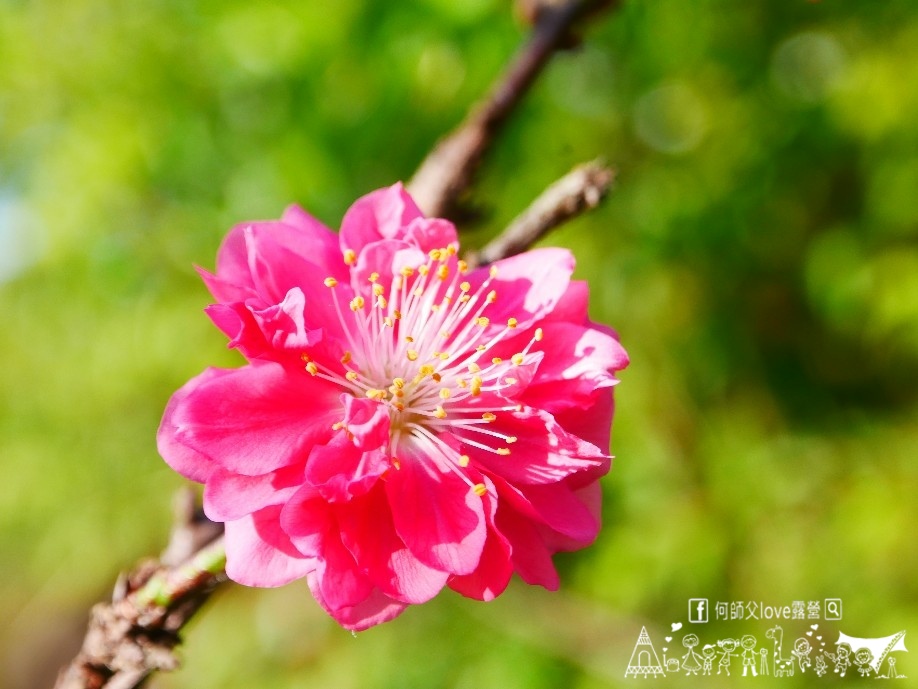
column 879, row 647
column 691, row 661
column 644, row 660
column 750, row 655
column 820, row 667
column 708, row 654
column 763, row 665
column 801, row 652
column 891, row 671
column 784, row 667
column 841, row 658
column 728, row 649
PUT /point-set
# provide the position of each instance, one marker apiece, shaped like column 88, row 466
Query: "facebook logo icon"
column 698, row 610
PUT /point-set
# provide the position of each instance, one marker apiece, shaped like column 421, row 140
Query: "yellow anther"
column 305, row 357
column 512, row 322
column 423, row 270
column 539, row 334
column 408, row 338
column 412, row 354
column 397, row 314
column 503, row 451
column 351, row 376
column 338, row 425
column 398, row 383
column 426, row 370
column 312, row 368
column 346, row 359
column 443, row 272
column 463, row 266
column 396, row 464
column 451, row 250
column 436, row 376
column 418, row 292
column 398, row 406
column 444, row 393
column 473, row 367
column 464, row 461
column 407, row 271
column 388, row 322
column 439, row 412
column 464, row 298
column 462, row 382
column 465, row 286
column 488, row 416
column 350, row 258
column 517, row 358
column 330, row 282
column 476, row 386
column 357, row 303
column 492, row 296
column 375, row 394
column 496, row 360
column 492, row 271
column 378, row 290
column 482, row 321
column 443, row 356
column 446, row 334
column 510, row 381
column 381, row 302
column 480, row 348
column 434, row 308
column 435, row 254
column 374, row 276
column 480, row 489
column 511, row 439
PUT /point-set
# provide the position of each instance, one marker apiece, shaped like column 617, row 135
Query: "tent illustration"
column 644, row 660
column 879, row 647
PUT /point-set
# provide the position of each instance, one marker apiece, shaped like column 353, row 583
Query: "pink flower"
column 403, row 423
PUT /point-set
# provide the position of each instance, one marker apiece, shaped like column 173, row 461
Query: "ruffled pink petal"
column 592, row 420
column 367, row 421
column 375, row 609
column 386, row 258
column 531, row 559
column 229, row 496
column 238, row 323
column 339, row 580
column 368, row 532
column 255, row 419
column 306, row 519
column 259, row 553
column 381, row 214
column 528, row 286
column 190, row 463
column 284, row 324
column 544, row 452
column 436, row 514
column 431, row 233
column 495, row 568
column 341, row 471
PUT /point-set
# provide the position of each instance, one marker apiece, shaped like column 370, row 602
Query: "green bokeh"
column 758, row 258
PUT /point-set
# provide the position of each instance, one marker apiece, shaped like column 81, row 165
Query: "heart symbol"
column 819, row 638
column 814, row 626
column 676, row 626
column 665, row 649
column 668, row 639
column 809, row 633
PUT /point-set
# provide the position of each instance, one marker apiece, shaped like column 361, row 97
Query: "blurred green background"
column 758, row 258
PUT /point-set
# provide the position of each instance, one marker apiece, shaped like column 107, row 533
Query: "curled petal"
column 341, row 471
column 381, row 214
column 259, row 553
column 375, row 609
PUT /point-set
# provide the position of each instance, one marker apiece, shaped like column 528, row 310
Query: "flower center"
column 422, row 347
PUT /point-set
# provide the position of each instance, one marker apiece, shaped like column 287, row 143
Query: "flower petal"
column 375, row 609
column 436, row 514
column 368, row 532
column 259, row 553
column 229, row 496
column 255, row 419
column 381, row 214
column 341, row 471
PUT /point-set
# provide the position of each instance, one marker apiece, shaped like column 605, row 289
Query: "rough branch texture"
column 135, row 634
column 579, row 190
column 447, row 173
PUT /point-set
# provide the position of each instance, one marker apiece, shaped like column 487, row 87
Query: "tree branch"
column 136, row 633
column 579, row 190
column 447, row 172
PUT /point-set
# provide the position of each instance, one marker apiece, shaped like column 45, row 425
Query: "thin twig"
column 447, row 172
column 579, row 190
column 135, row 634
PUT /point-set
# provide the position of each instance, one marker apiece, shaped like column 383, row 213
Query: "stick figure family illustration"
column 747, row 657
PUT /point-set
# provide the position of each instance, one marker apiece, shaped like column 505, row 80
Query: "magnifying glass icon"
column 833, row 609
